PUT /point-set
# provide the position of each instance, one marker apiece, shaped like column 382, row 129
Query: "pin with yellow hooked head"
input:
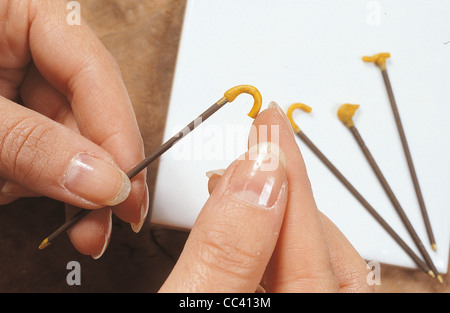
column 232, row 93
column 229, row 96
column 291, row 109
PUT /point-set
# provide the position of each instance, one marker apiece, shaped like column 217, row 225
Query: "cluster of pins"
column 345, row 114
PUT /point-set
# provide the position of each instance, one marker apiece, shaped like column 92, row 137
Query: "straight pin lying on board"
column 380, row 60
column 422, row 265
column 229, row 96
column 345, row 114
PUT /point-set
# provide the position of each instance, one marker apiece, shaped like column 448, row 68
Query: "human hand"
column 261, row 226
column 75, row 133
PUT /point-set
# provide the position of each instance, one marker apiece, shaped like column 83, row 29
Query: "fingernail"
column 136, row 227
column 274, row 105
column 210, row 174
column 8, row 187
column 96, row 180
column 13, row 189
column 107, row 239
column 259, row 176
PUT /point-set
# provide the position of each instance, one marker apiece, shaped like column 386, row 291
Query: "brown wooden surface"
column 143, row 35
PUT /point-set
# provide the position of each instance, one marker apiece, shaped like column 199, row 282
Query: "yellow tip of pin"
column 434, row 247
column 232, row 93
column 44, row 244
column 431, row 273
column 291, row 109
column 346, row 112
column 379, row 59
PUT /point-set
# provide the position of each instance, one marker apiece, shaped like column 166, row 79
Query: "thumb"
column 235, row 234
column 47, row 158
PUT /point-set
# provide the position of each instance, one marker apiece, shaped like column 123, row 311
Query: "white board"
column 310, row 52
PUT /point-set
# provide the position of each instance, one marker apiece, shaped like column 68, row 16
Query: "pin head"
column 232, row 93
column 291, row 109
column 346, row 112
column 379, row 59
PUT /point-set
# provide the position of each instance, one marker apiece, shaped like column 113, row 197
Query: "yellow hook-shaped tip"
column 379, row 59
column 232, row 93
column 346, row 112
column 291, row 109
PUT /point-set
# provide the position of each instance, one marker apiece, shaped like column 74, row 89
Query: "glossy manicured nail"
column 219, row 172
column 144, row 210
column 96, row 180
column 274, row 105
column 259, row 175
column 107, row 239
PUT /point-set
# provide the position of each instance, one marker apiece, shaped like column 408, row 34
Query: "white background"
column 310, row 52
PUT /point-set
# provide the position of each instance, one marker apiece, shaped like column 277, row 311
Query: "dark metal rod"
column 142, row 165
column 409, row 158
column 172, row 141
column 422, row 265
column 393, row 198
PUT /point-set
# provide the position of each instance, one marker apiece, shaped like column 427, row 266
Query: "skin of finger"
column 17, row 191
column 301, row 261
column 41, row 97
column 91, row 235
column 36, row 149
column 38, row 95
column 229, row 246
column 77, row 64
column 350, row 269
column 6, row 200
column 43, row 93
column 13, row 192
column 13, row 46
column 88, row 236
